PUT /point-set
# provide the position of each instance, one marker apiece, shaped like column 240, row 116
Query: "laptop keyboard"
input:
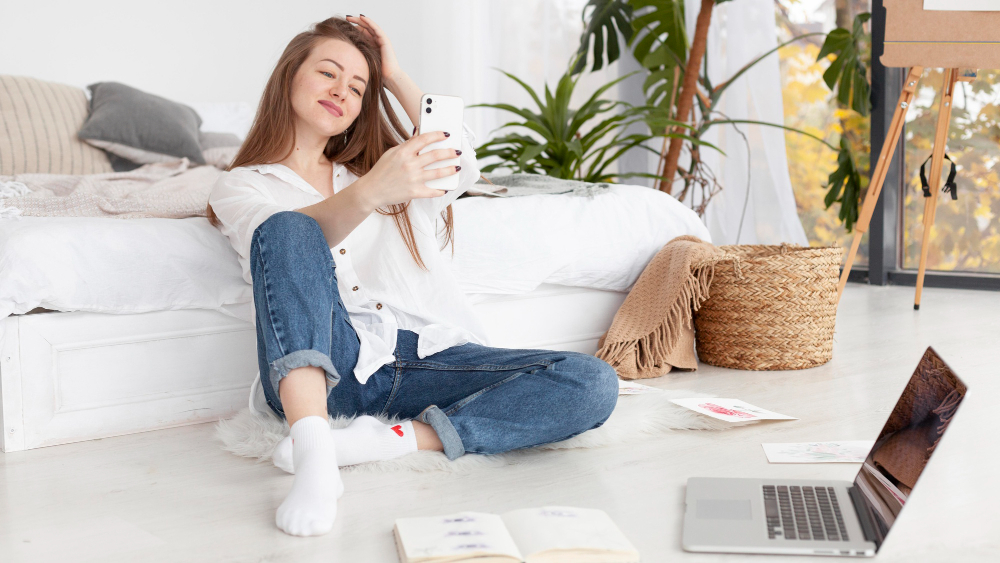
column 804, row 513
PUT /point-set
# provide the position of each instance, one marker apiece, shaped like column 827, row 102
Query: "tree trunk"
column 686, row 101
column 842, row 9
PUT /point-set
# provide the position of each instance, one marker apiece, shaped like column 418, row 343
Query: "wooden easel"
column 951, row 76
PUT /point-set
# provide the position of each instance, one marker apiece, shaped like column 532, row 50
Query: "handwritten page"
column 730, row 410
column 470, row 534
column 568, row 529
column 844, row 451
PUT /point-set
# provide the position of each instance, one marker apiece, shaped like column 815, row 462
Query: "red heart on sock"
column 398, row 429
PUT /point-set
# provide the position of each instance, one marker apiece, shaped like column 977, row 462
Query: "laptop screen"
column 906, row 443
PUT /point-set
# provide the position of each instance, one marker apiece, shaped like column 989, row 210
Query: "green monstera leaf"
column 661, row 46
column 844, row 185
column 847, row 74
column 607, row 16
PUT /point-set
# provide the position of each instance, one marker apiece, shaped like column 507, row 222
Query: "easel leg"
column 881, row 168
column 934, row 181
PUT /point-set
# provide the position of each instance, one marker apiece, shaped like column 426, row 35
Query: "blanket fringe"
column 13, row 189
column 652, row 349
column 7, row 212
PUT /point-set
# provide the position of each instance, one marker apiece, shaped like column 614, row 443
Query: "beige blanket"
column 174, row 189
column 652, row 331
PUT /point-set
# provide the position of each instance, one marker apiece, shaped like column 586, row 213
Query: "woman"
column 382, row 327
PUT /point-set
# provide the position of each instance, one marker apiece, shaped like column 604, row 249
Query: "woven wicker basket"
column 770, row 308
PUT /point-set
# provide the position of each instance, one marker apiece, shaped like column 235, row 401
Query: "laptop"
column 812, row 517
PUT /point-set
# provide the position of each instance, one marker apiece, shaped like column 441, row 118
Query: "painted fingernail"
column 458, row 151
column 447, row 134
column 457, row 168
column 362, row 15
column 414, row 131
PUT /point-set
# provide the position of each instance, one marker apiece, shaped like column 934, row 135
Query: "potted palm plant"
column 574, row 143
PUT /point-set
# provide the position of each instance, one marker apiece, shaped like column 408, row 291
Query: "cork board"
column 940, row 39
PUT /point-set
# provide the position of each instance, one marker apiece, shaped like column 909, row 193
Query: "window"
column 966, row 232
column 809, row 105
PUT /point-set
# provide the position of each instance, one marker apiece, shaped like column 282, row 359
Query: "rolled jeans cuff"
column 280, row 367
column 453, row 446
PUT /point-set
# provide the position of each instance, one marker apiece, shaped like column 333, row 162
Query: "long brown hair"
column 376, row 129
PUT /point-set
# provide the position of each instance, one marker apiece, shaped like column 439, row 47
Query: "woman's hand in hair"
column 390, row 66
column 393, row 77
column 399, row 174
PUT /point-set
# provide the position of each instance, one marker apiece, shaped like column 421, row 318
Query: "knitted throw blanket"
column 653, row 329
column 173, row 189
column 521, row 184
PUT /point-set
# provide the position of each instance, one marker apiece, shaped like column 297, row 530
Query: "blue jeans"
column 477, row 398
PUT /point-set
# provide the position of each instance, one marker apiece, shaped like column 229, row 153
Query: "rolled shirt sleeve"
column 241, row 207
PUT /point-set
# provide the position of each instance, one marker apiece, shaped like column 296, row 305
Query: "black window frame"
column 885, row 231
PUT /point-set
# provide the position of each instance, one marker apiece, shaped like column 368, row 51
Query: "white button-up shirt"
column 382, row 287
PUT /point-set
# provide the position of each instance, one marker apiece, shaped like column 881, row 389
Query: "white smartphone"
column 442, row 113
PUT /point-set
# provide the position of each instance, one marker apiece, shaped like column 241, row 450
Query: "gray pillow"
column 140, row 127
column 219, row 149
column 213, row 140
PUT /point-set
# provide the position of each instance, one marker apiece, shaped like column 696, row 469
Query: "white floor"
column 174, row 495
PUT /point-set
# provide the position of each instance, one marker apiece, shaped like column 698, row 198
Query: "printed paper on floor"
column 626, row 387
column 730, row 410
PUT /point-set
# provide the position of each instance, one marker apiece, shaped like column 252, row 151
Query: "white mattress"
column 502, row 246
column 512, row 245
column 552, row 317
column 121, row 266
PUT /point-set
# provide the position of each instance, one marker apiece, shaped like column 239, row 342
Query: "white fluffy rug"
column 635, row 418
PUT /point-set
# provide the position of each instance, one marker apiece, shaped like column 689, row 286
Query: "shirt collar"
column 290, row 176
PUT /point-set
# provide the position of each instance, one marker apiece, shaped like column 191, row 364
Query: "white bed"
column 72, row 376
column 109, row 327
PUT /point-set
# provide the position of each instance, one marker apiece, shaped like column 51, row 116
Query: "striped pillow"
column 38, row 125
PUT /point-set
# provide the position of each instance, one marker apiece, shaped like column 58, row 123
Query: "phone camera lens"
column 428, row 100
column 428, row 110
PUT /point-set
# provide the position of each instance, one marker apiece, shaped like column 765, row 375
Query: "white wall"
column 195, row 51
column 186, row 50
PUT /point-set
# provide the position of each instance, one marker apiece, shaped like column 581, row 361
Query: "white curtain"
column 741, row 31
column 534, row 40
column 531, row 39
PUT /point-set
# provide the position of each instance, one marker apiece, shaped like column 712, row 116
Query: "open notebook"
column 556, row 534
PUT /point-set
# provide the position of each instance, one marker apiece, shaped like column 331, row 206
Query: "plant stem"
column 670, row 106
column 686, row 102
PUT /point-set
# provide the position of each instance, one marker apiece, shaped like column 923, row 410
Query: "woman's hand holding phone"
column 399, row 174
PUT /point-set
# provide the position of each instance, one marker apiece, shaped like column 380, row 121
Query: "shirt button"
column 355, row 288
column 378, row 305
column 338, row 174
column 343, row 251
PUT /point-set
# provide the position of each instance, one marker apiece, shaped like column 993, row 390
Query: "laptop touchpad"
column 720, row 509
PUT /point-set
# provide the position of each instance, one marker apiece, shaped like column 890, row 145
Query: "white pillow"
column 511, row 245
column 226, row 117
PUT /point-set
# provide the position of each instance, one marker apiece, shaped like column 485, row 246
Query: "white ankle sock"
column 311, row 506
column 365, row 439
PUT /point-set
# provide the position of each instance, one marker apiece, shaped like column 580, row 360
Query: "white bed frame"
column 73, row 376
